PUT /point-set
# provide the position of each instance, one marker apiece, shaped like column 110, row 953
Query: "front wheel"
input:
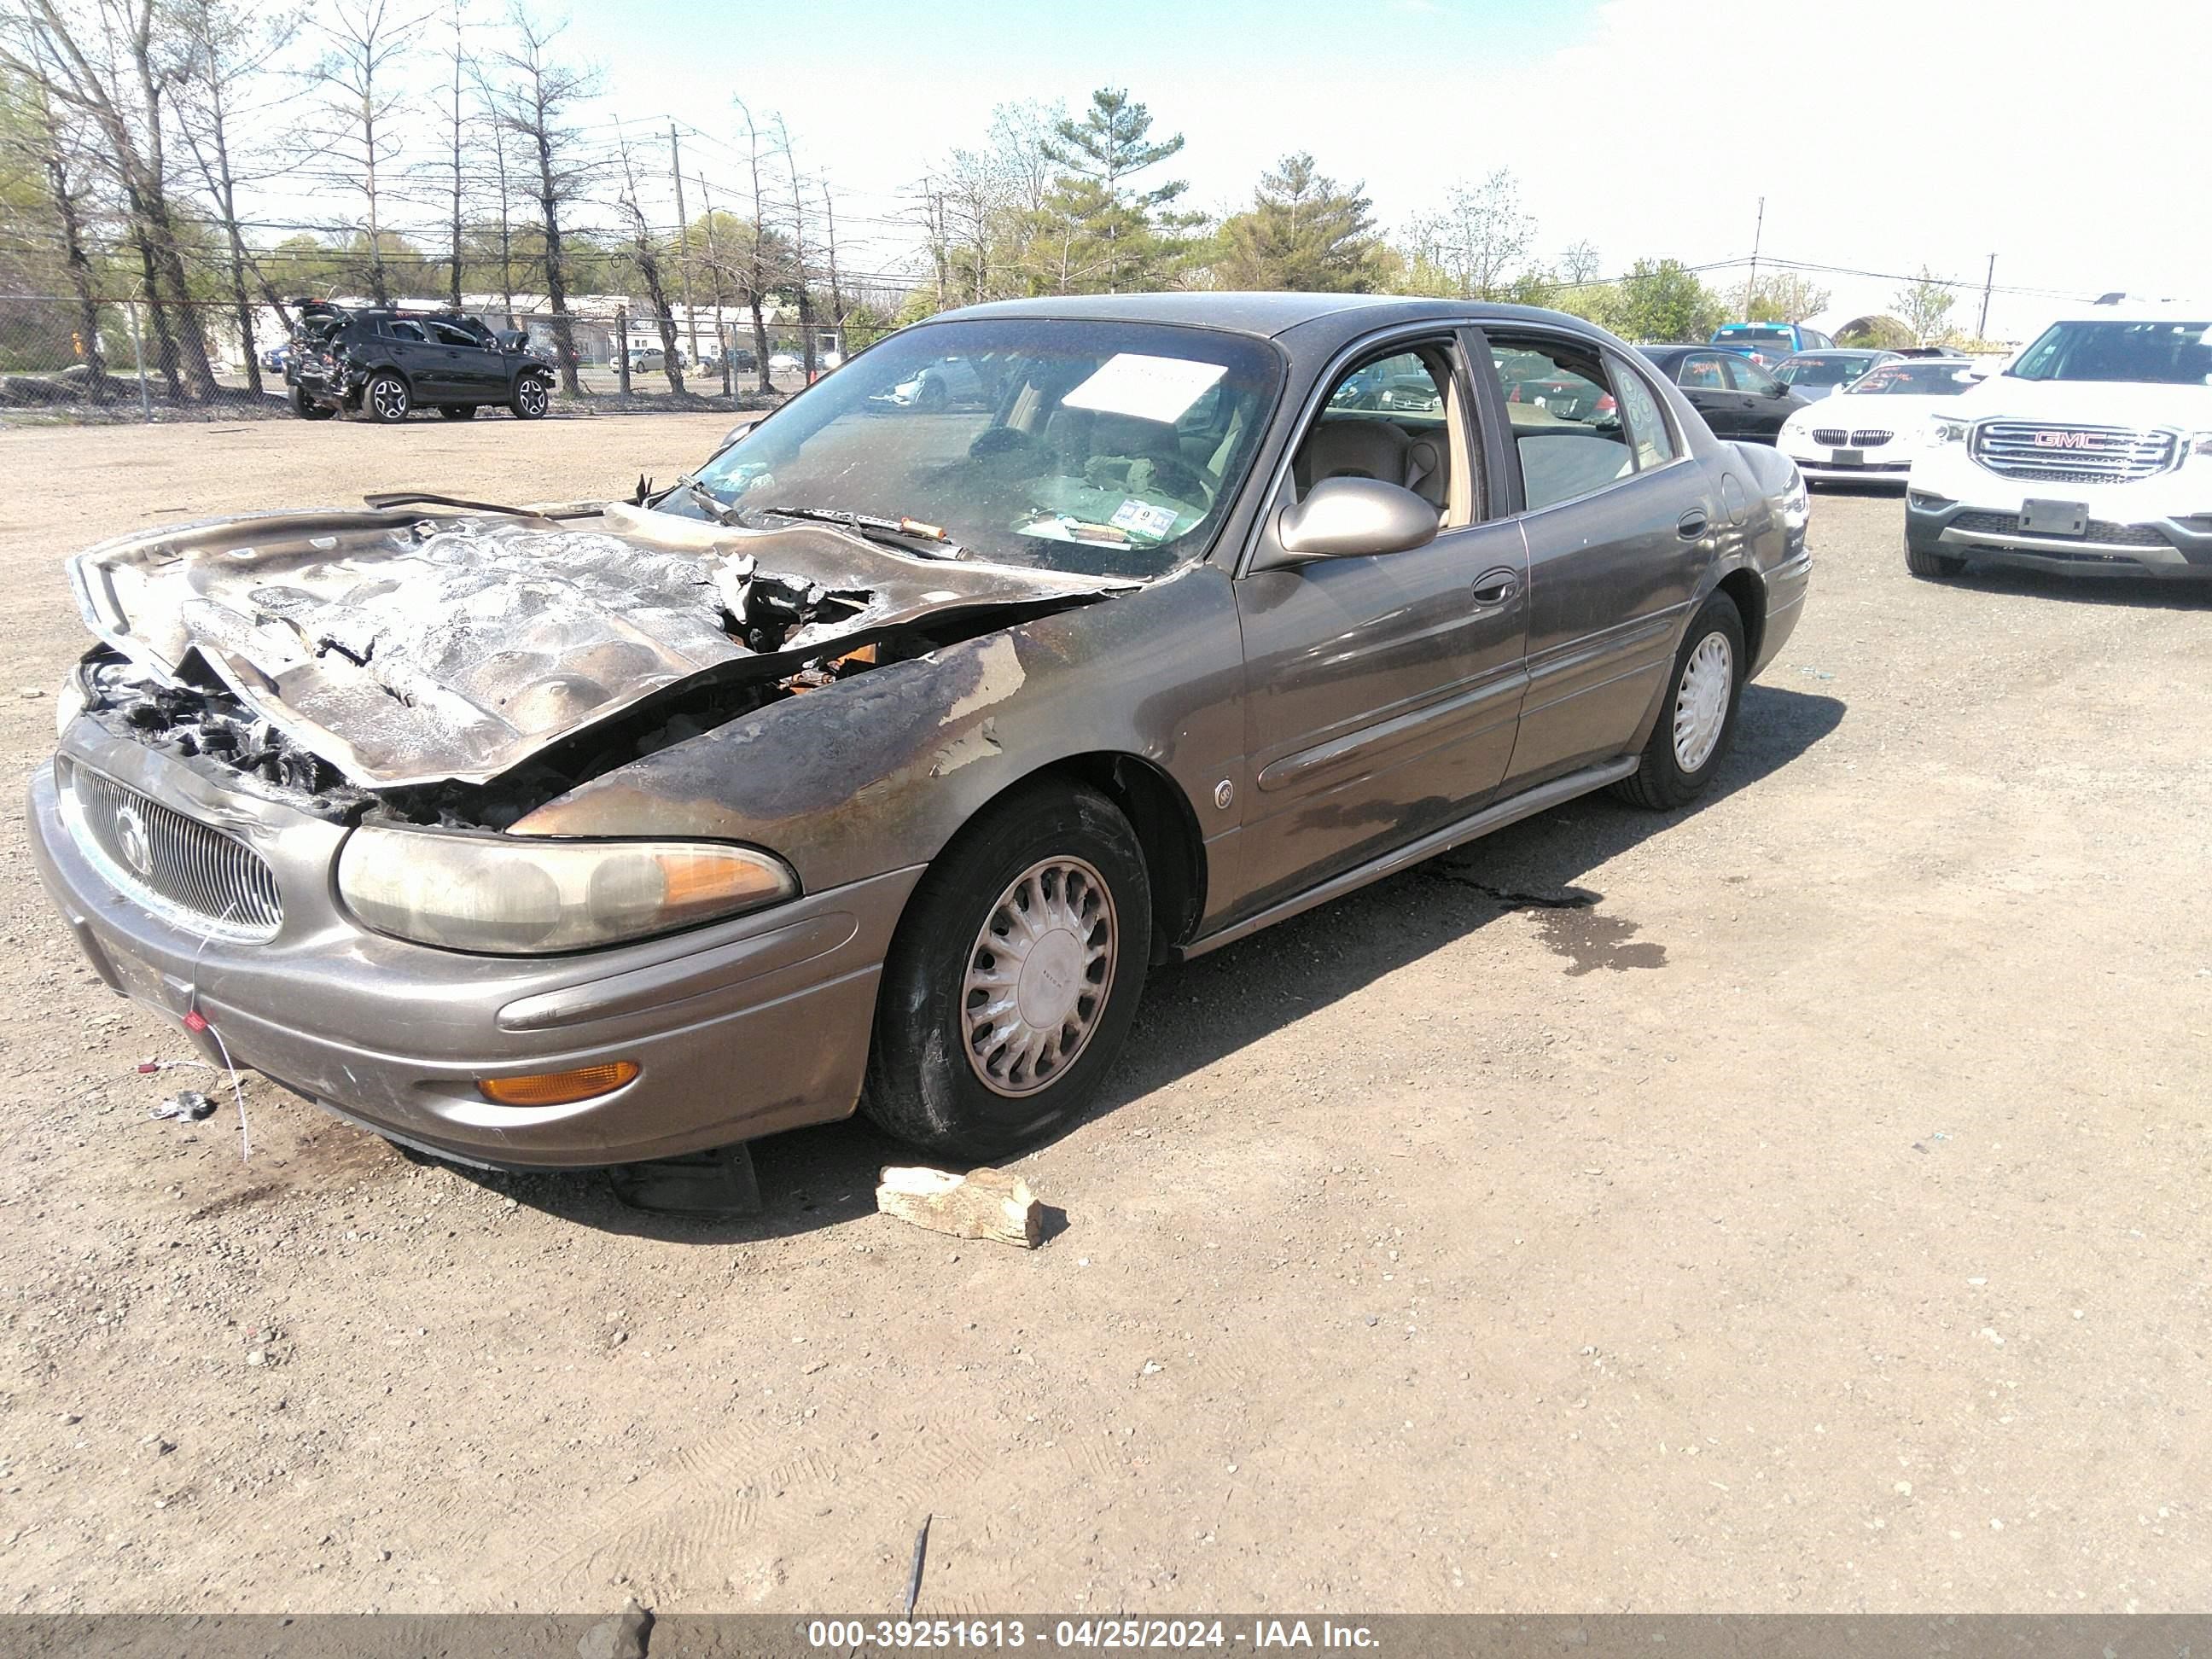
column 1698, row 718
column 1933, row 566
column 1014, row 976
column 532, row 397
column 385, row 400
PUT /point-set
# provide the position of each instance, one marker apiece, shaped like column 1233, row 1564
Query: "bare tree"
column 537, row 103
column 53, row 150
column 1481, row 234
column 112, row 64
column 1579, row 265
column 458, row 118
column 802, row 278
column 645, row 254
column 230, row 52
column 759, row 276
column 362, row 127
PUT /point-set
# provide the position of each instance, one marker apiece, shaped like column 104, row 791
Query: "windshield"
column 1753, row 334
column 1820, row 371
column 1923, row 379
column 1107, row 448
column 2167, row 354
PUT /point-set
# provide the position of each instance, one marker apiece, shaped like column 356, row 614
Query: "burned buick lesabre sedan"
column 876, row 761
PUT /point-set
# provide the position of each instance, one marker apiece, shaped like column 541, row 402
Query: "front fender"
column 878, row 771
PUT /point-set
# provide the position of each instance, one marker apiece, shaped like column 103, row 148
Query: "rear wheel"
column 307, row 408
column 1014, row 976
column 532, row 397
column 1699, row 717
column 1934, row 565
column 458, row 411
column 386, row 399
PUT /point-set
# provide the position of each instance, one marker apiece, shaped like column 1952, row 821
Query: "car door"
column 1766, row 402
column 1618, row 522
column 472, row 372
column 413, row 356
column 1703, row 380
column 1381, row 692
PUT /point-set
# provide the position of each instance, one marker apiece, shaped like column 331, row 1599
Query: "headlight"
column 508, row 895
column 69, row 700
column 2200, row 443
column 1943, row 429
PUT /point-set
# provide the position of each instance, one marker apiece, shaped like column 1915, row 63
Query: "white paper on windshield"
column 1149, row 388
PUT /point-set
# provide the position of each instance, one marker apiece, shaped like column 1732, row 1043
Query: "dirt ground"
column 1818, row 1222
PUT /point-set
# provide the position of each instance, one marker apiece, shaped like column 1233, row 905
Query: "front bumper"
column 739, row 1030
column 2157, row 526
column 1888, row 464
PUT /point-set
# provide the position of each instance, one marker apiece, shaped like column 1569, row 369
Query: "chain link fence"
column 65, row 359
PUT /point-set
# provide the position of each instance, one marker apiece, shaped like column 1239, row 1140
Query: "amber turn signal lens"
column 558, row 1088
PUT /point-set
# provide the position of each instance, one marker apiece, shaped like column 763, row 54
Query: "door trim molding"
column 1527, row 804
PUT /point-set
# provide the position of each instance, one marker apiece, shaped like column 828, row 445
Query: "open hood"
column 406, row 649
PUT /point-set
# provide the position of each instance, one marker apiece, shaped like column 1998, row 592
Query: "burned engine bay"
column 464, row 670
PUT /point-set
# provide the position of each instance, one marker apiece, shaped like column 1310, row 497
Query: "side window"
column 1704, row 373
column 1745, row 375
column 1397, row 418
column 1647, row 424
column 401, row 330
column 1566, row 426
column 447, row 334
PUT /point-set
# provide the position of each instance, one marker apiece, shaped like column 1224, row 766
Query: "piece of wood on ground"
column 986, row 1203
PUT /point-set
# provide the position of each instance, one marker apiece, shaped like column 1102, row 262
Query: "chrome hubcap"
column 390, row 399
column 1038, row 976
column 1701, row 702
column 533, row 396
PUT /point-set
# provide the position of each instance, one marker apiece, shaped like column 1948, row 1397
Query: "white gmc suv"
column 2091, row 453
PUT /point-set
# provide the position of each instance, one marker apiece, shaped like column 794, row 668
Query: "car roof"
column 1271, row 315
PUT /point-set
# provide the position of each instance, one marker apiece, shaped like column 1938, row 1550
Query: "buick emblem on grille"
column 2063, row 439
column 130, row 840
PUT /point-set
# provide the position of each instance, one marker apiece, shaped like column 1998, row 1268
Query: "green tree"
column 1663, row 301
column 1300, row 232
column 1923, row 306
column 1784, row 297
column 1103, row 234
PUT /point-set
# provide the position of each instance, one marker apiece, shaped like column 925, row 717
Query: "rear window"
column 1754, row 334
column 1916, row 380
column 1820, row 371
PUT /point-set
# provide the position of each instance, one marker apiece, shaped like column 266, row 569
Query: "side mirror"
column 1350, row 519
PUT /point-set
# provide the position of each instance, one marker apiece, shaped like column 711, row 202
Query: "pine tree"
column 1101, row 235
column 1300, row 232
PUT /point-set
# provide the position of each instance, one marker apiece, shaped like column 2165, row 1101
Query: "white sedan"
column 1870, row 433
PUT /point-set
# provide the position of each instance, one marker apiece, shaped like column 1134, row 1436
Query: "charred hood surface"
column 409, row 650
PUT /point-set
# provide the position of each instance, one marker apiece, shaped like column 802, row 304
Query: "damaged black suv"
column 383, row 364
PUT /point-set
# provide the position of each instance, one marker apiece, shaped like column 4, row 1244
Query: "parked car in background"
column 1815, row 375
column 1738, row 398
column 1768, row 344
column 783, row 363
column 1531, row 380
column 382, row 364
column 1869, row 432
column 273, row 358
column 943, row 384
column 646, row 360
column 2091, row 453
column 876, row 766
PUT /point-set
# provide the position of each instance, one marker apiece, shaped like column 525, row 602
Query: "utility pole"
column 1988, row 282
column 1751, row 288
column 836, row 296
column 683, row 242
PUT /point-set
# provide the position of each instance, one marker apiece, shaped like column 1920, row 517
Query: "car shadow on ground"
column 1196, row 1013
column 2135, row 592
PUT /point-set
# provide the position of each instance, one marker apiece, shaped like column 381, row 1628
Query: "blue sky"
column 2069, row 139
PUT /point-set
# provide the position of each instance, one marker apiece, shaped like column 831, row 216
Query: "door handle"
column 1494, row 588
column 1691, row 524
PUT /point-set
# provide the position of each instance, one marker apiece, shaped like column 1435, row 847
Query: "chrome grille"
column 1868, row 438
column 1831, row 437
column 179, row 868
column 2074, row 454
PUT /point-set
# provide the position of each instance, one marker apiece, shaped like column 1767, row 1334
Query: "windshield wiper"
column 716, row 509
column 942, row 546
column 426, row 498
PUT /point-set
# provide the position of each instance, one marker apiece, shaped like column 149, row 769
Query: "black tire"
column 458, row 411
column 306, row 407
column 1934, row 567
column 1661, row 781
column 385, row 400
column 922, row 1086
column 533, row 396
